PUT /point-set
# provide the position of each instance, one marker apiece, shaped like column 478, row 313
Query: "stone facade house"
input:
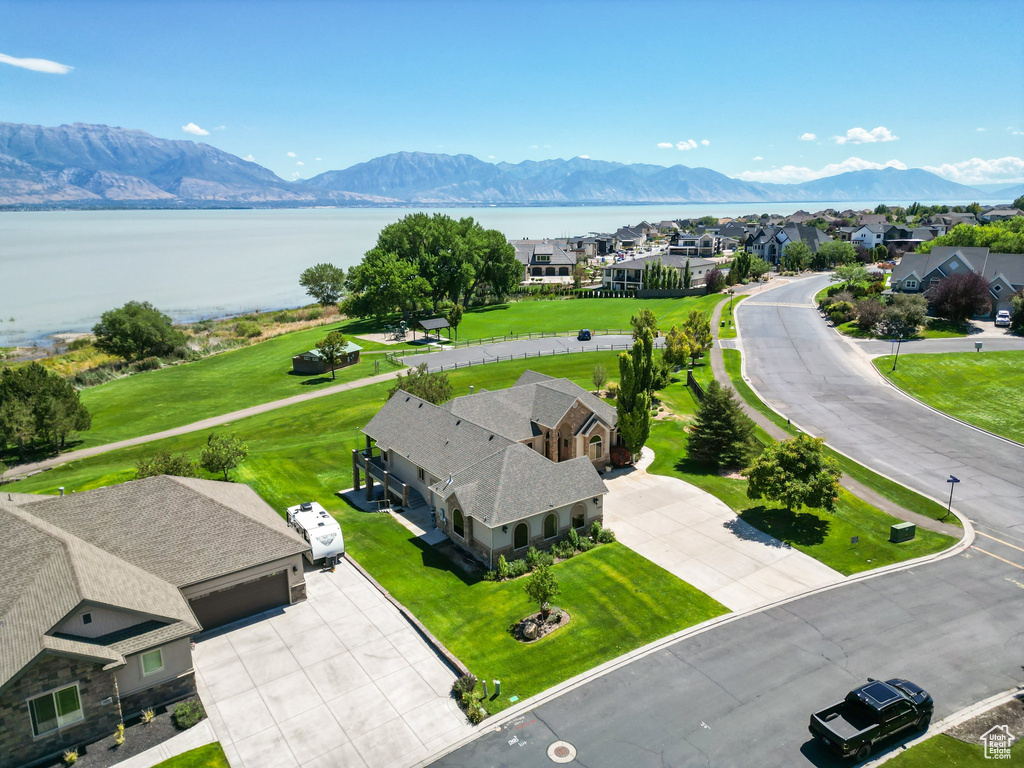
column 501, row 470
column 102, row 591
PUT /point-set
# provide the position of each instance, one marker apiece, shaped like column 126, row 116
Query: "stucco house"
column 502, row 470
column 102, row 591
column 917, row 272
column 627, row 275
column 312, row 362
column 770, row 242
column 547, row 260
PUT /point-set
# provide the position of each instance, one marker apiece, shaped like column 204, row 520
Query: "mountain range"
column 83, row 165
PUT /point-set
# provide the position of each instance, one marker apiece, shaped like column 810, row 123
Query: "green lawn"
column 946, row 752
column 209, row 756
column 890, row 489
column 729, row 330
column 935, row 328
column 618, row 600
column 982, row 388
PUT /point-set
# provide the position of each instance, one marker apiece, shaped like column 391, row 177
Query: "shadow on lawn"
column 798, row 528
column 447, row 557
column 317, row 381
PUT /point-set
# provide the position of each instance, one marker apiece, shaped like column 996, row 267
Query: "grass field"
column 822, row 535
column 209, row 756
column 985, row 389
column 934, row 328
column 942, row 751
column 617, row 599
column 728, row 331
column 892, row 490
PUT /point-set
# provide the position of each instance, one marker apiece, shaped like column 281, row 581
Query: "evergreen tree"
column 722, row 434
column 687, row 277
column 634, row 400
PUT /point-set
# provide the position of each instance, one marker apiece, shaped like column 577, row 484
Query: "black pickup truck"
column 871, row 713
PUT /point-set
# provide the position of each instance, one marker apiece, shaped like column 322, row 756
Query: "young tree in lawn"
column 722, row 434
column 833, row 252
column 960, row 297
column 644, row 320
column 599, row 377
column 715, row 281
column 166, row 463
column 741, row 265
column 455, row 317
column 677, row 347
column 541, row 586
column 634, row 399
column 136, row 330
column 332, row 349
column 432, row 387
column 222, row 453
column 796, row 473
column 851, row 274
column 796, row 255
column 698, row 329
column 758, row 267
column 324, row 282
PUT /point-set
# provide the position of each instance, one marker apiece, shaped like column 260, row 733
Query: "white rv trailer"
column 321, row 531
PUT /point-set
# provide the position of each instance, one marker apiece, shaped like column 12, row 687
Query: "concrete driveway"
column 339, row 680
column 697, row 537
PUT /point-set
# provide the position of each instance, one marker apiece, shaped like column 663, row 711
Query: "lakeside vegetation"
column 985, row 389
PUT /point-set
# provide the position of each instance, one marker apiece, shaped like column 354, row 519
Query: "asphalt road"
column 740, row 694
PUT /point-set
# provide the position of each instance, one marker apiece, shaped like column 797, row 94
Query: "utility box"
column 902, row 532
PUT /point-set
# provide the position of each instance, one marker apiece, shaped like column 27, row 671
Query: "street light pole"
column 953, row 480
column 897, row 358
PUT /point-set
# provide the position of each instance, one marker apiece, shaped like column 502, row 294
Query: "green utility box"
column 902, row 532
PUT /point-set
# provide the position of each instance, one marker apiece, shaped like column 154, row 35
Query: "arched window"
column 458, row 523
column 579, row 516
column 520, row 536
column 551, row 526
column 596, row 448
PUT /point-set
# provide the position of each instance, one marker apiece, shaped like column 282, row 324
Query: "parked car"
column 583, row 335
column 1003, row 318
column 869, row 714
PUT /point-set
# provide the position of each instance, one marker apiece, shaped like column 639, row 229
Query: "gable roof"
column 181, row 529
column 668, row 259
column 517, row 482
column 1008, row 266
column 49, row 572
column 528, row 250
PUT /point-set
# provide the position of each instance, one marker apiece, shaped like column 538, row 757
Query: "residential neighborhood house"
column 769, row 242
column 917, row 272
column 628, row 275
column 501, row 470
column 544, row 260
column 102, row 591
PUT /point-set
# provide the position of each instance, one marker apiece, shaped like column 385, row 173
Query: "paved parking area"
column 339, row 680
column 697, row 537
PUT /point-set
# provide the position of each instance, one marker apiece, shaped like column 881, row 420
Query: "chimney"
column 61, row 489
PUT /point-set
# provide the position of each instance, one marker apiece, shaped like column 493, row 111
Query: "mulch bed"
column 1010, row 714
column 544, row 628
column 138, row 737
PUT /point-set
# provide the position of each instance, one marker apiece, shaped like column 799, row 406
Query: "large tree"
column 634, row 398
column 677, row 347
column 960, row 297
column 432, row 387
column 833, row 252
column 36, row 404
column 324, row 282
column 722, row 434
column 643, row 320
column 331, row 349
column 796, row 255
column 698, row 329
column 136, row 330
column 796, row 473
column 381, row 285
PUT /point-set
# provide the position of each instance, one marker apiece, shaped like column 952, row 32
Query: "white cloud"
column 533, row 146
column 665, row 145
column 705, row 142
column 758, row 157
column 300, row 163
column 295, row 174
column 789, row 174
column 584, row 157
column 547, row 146
column 250, row 159
column 980, row 129
column 319, row 159
column 220, row 127
column 291, row 154
column 1016, row 133
column 807, row 137
column 36, row 65
column 860, row 136
column 195, row 130
column 687, row 145
column 978, row 171
column 490, row 157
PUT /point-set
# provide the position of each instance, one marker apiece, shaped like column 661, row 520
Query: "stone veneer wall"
column 18, row 746
column 167, row 692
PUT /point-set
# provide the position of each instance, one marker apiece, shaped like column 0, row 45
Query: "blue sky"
column 304, row 87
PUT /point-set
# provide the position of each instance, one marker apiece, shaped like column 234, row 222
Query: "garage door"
column 241, row 600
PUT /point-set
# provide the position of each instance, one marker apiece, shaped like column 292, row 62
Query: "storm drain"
column 562, row 752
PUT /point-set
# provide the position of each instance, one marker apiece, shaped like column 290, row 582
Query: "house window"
column 579, row 516
column 458, row 523
column 419, row 473
column 87, row 618
column 953, row 265
column 520, row 536
column 55, row 710
column 596, row 448
column 997, row 288
column 542, row 259
column 152, row 662
column 911, row 284
column 551, row 526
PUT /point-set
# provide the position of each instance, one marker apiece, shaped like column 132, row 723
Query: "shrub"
column 869, row 314
column 70, row 756
column 595, row 530
column 148, row 715
column 284, row 317
column 464, row 685
column 188, row 713
column 80, row 343
column 532, row 556
column 620, row 456
column 606, row 536
column 574, row 538
column 613, row 390
column 840, row 312
column 476, row 715
column 490, row 576
column 564, row 550
column 586, row 545
column 504, row 571
column 545, row 558
column 247, row 329
column 314, row 314
column 119, row 735
column 517, row 568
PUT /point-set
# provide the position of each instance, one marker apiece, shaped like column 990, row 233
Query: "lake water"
column 59, row 270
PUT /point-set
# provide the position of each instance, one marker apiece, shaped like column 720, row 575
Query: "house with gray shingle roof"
column 502, row 470
column 103, row 590
column 545, row 259
column 917, row 272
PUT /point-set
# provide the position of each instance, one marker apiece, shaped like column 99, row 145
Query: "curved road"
column 739, row 694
